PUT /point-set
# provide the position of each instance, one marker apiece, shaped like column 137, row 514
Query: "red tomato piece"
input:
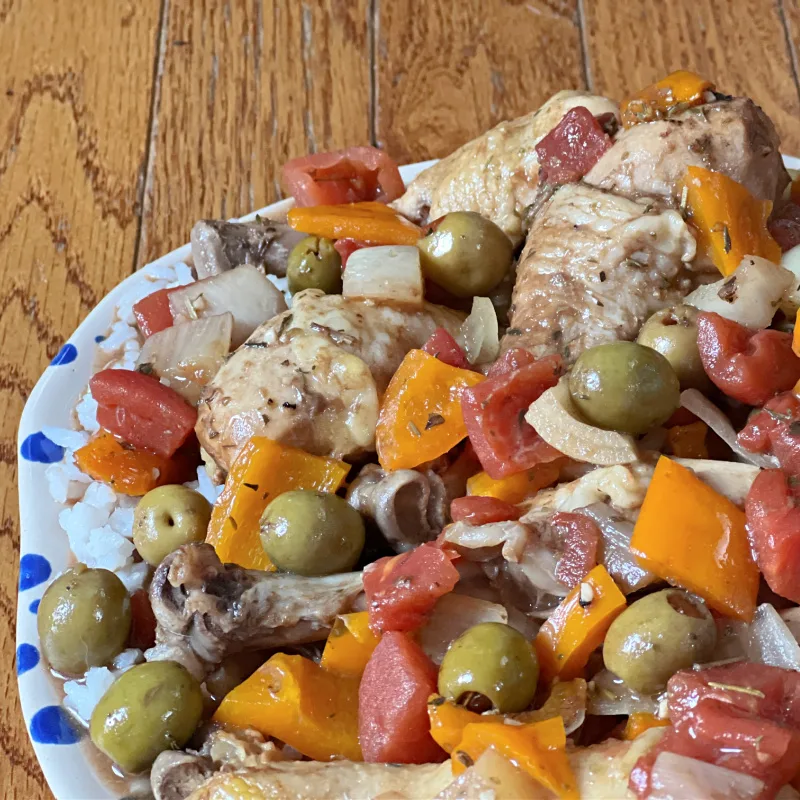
column 581, row 538
column 774, row 430
column 143, row 622
column 153, row 313
column 346, row 247
column 511, row 361
column 142, row 411
column 742, row 716
column 443, row 346
column 479, row 510
column 494, row 414
column 749, row 366
column 393, row 725
column 785, row 226
column 773, row 525
column 342, row 176
column 572, row 148
column 402, row 590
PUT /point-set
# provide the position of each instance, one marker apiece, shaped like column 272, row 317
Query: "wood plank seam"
column 792, row 50
column 373, row 15
column 585, row 55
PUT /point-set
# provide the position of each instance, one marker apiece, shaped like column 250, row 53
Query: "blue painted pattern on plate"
column 52, row 725
column 34, row 607
column 66, row 355
column 37, row 447
column 27, row 658
column 33, row 570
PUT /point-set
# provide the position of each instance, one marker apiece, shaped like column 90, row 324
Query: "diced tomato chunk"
column 402, row 590
column 511, row 361
column 346, row 247
column 785, row 226
column 749, row 366
column 443, row 346
column 743, row 716
column 774, row 430
column 494, row 413
column 142, row 411
column 393, row 724
column 480, row 510
column 352, row 175
column 572, row 148
column 153, row 313
column 581, row 538
column 143, row 622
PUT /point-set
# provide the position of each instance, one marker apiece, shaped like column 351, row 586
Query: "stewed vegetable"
column 314, row 264
column 84, row 619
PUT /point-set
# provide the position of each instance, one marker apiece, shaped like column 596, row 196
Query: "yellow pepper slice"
column 795, row 345
column 730, row 222
column 575, row 629
column 368, row 222
column 350, row 644
column 263, row 470
column 692, row 536
column 538, row 749
column 515, row 488
column 679, row 90
column 688, row 441
column 298, row 702
column 641, row 721
column 420, row 417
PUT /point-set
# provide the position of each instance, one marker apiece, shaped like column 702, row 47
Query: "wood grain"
column 448, row 71
column 740, row 45
column 245, row 86
column 76, row 82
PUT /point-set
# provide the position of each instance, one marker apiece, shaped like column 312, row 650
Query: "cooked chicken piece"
column 218, row 246
column 730, row 136
column 311, row 377
column 207, row 610
column 594, row 268
column 497, row 173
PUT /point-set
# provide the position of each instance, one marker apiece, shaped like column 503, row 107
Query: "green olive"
column 673, row 333
column 312, row 533
column 150, row 708
column 466, row 254
column 493, row 660
column 624, row 386
column 84, row 619
column 656, row 636
column 166, row 518
column 314, row 264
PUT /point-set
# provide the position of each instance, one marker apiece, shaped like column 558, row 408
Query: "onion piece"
column 749, row 295
column 790, row 301
column 243, row 291
column 610, row 695
column 451, row 616
column 558, row 422
column 480, row 334
column 704, row 409
column 729, row 478
column 770, row 640
column 491, row 777
column 386, row 274
column 675, row 776
column 188, row 355
column 791, row 617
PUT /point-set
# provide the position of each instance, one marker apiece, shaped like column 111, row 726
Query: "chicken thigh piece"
column 497, row 173
column 311, row 377
column 595, row 266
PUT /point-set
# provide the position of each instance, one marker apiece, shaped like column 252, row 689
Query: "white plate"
column 44, row 550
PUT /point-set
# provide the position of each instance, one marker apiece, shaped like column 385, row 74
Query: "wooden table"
column 124, row 121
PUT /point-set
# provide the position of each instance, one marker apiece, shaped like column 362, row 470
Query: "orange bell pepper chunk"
column 688, row 441
column 692, row 536
column 515, row 488
column 729, row 222
column 678, row 91
column 371, row 222
column 420, row 417
column 538, row 749
column 298, row 702
column 263, row 470
column 641, row 721
column 350, row 645
column 573, row 631
column 131, row 471
column 796, row 343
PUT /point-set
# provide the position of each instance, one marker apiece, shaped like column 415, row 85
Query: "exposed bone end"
column 175, row 775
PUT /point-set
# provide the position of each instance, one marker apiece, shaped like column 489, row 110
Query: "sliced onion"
column 730, row 478
column 616, row 553
column 704, row 409
column 243, row 291
column 557, row 421
column 674, row 777
column 480, row 335
column 748, row 296
column 609, row 696
column 188, row 355
column 387, row 274
column 771, row 642
column 791, row 299
column 451, row 616
column 511, row 536
column 791, row 616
